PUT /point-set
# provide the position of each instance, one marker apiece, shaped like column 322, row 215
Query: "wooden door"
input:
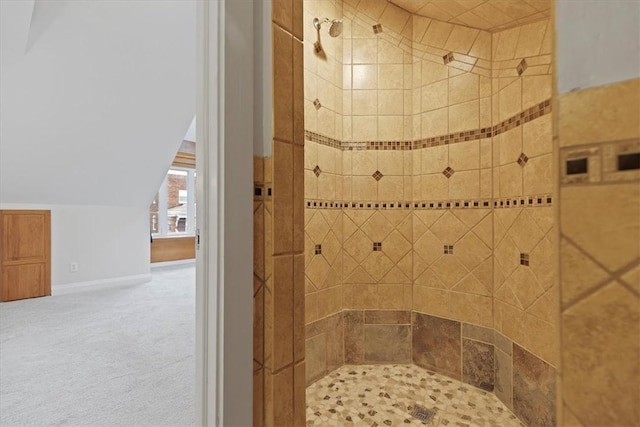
column 25, row 254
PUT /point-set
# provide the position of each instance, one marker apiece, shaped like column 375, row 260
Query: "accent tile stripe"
column 503, row 203
column 523, row 117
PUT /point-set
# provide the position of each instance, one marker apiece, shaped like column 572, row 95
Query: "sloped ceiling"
column 491, row 15
column 95, row 99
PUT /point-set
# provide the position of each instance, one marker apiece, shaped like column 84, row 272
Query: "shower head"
column 334, row 30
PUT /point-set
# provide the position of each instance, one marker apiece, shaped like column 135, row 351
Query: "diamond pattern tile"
column 377, row 175
column 317, row 170
column 448, row 172
column 523, row 159
column 522, row 66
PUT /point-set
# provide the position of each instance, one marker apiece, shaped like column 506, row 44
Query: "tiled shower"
column 429, row 196
column 432, row 243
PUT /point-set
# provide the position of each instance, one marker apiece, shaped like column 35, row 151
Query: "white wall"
column 95, row 108
column 106, row 242
column 598, row 42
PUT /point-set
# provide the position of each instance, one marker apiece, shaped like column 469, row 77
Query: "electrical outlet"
column 73, row 267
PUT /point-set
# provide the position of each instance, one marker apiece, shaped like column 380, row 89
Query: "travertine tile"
column 602, row 222
column 394, row 18
column 282, row 84
column 464, row 116
column 465, row 185
column 530, row 40
column 534, row 389
column 604, row 113
column 387, row 343
column 282, row 397
column 282, row 311
column 503, row 377
column 477, row 333
column 478, row 364
column 437, row 344
column 299, row 393
column 298, row 308
column 438, row 33
column 390, row 76
column 463, row 88
column 597, row 378
column 282, row 14
column 383, row 317
column 435, row 96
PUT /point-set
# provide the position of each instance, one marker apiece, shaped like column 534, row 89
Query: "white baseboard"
column 178, row 263
column 99, row 284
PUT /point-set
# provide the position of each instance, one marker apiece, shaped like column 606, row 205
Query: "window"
column 182, row 197
column 172, row 211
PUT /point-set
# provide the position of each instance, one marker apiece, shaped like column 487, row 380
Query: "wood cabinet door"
column 25, row 254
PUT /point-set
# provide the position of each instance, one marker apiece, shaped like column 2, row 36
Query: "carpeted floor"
column 110, row 357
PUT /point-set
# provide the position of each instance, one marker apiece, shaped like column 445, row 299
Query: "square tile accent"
column 318, row 249
column 585, row 165
column 524, row 259
column 523, row 159
column 448, row 249
column 377, row 246
column 317, row 104
column 448, row 172
column 522, row 66
column 377, row 28
column 448, row 57
column 621, row 161
column 257, row 191
column 317, row 170
column 377, row 175
column 629, row 161
column 577, row 166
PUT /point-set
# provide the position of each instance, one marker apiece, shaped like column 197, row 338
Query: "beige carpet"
column 111, row 357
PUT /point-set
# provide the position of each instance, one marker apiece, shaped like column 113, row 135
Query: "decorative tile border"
column 523, row 117
column 524, row 201
column 601, row 163
column 510, row 202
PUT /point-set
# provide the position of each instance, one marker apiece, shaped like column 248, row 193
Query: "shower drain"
column 423, row 414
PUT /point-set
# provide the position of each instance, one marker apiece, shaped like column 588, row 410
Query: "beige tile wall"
column 525, row 296
column 511, row 95
column 394, row 85
column 456, row 286
column 323, row 78
column 600, row 257
column 323, row 271
column 377, row 72
column 279, row 236
column 377, row 279
column 449, row 98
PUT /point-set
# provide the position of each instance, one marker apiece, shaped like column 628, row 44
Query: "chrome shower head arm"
column 317, row 23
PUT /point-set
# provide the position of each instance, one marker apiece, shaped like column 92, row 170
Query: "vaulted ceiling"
column 491, row 15
column 95, row 98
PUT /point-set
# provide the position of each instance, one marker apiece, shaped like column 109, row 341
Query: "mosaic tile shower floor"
column 387, row 395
